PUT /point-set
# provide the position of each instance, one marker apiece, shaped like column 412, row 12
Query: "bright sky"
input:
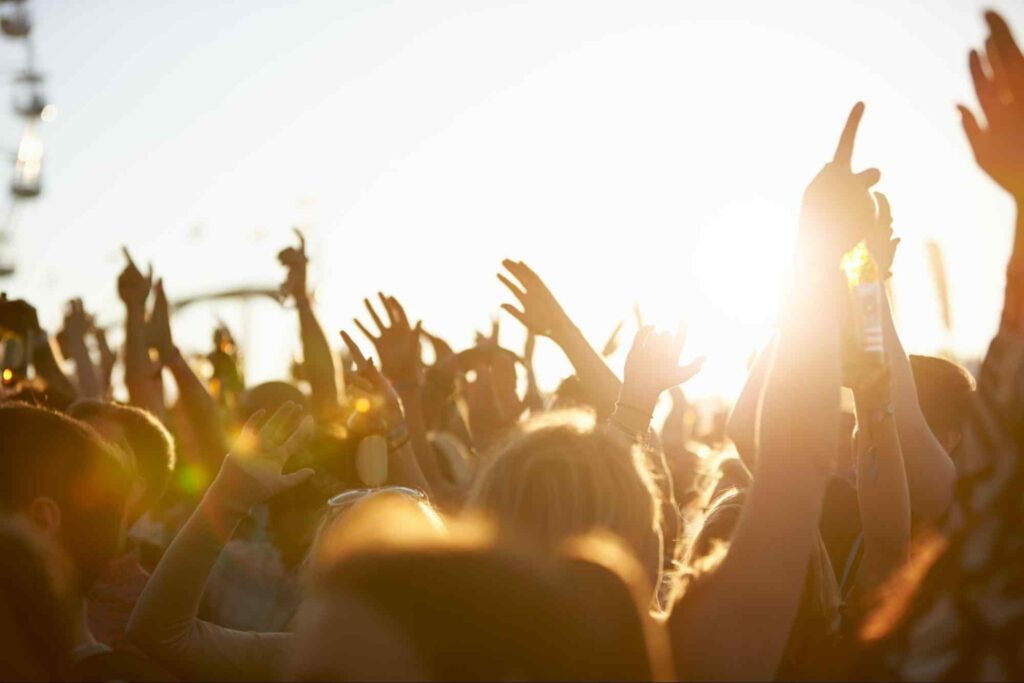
column 629, row 151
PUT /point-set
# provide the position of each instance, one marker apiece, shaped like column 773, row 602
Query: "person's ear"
column 45, row 516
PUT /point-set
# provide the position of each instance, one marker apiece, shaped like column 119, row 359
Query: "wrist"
column 637, row 401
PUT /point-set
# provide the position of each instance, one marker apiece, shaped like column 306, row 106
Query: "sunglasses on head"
column 346, row 497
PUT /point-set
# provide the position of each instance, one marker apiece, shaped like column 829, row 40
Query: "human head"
column 944, row 392
column 561, row 475
column 148, row 444
column 37, row 610
column 268, row 396
column 434, row 604
column 61, row 477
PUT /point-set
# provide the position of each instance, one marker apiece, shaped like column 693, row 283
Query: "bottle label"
column 868, row 317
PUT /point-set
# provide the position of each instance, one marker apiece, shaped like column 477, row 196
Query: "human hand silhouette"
column 541, row 314
column 999, row 146
column 837, row 206
column 397, row 343
column 652, row 366
column 132, row 286
column 295, row 260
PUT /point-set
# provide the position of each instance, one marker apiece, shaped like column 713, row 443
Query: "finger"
column 844, row 150
column 511, row 310
column 516, row 270
column 868, row 177
column 495, row 329
column 679, row 340
column 516, row 292
column 353, row 350
column 1009, row 54
column 399, row 311
column 686, row 372
column 302, row 241
column 640, row 339
column 983, row 88
column 271, row 431
column 971, row 128
column 297, row 477
column 884, row 211
column 128, row 257
column 255, row 422
column 297, row 438
column 373, row 315
column 366, row 332
column 1000, row 84
column 387, row 309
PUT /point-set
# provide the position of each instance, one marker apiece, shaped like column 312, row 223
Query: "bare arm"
column 164, row 622
column 882, row 489
column 543, row 315
column 754, row 595
column 72, row 344
column 316, row 352
column 141, row 374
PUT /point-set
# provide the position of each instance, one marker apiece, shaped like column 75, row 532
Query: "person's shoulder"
column 117, row 665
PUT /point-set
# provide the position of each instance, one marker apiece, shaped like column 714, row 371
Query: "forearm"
column 742, row 425
column 884, row 501
column 598, row 381
column 164, row 622
column 86, row 373
column 139, row 371
column 200, row 409
column 754, row 596
column 319, row 362
column 420, row 462
column 931, row 475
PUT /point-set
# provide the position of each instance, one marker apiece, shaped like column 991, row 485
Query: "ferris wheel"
column 31, row 106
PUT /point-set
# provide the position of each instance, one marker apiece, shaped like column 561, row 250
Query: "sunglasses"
column 353, row 495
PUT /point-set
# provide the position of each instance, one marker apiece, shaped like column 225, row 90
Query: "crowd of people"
column 414, row 514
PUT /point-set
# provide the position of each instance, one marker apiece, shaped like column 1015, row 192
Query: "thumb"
column 297, row 477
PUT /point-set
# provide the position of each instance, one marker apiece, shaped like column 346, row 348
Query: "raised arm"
column 404, row 462
column 164, row 622
column 882, row 491
column 544, row 316
column 753, row 596
column 141, row 374
column 316, row 353
column 71, row 340
column 200, row 408
column 930, row 472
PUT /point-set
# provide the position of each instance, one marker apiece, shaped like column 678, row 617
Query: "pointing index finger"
column 844, row 150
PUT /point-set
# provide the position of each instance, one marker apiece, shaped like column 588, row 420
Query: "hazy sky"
column 641, row 150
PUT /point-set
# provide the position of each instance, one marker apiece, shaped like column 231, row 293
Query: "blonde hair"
column 560, row 475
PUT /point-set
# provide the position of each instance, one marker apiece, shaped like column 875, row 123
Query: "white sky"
column 641, row 150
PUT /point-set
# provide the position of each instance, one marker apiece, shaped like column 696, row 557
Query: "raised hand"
column 541, row 314
column 295, row 260
column 999, row 146
column 652, row 366
column 397, row 343
column 76, row 325
column 837, row 207
column 132, row 286
column 369, row 380
column 158, row 329
column 879, row 239
column 264, row 447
